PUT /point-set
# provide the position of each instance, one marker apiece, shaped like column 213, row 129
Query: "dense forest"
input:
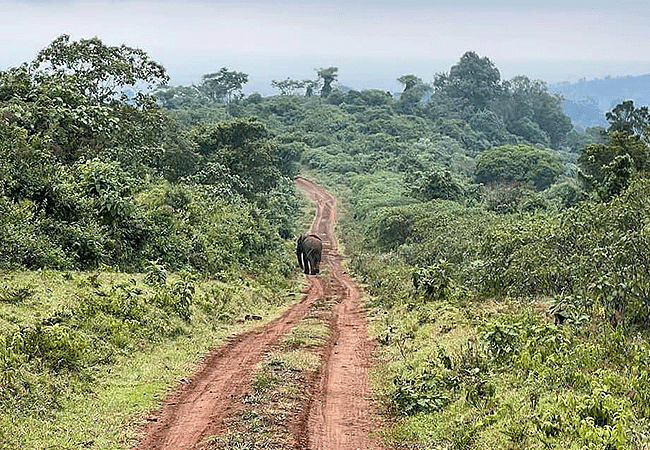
column 504, row 252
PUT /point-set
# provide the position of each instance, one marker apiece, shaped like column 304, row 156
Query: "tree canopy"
column 626, row 118
column 98, row 70
column 518, row 164
column 474, row 79
column 223, row 85
column 327, row 76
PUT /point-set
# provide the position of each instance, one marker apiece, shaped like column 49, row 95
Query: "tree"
column 607, row 168
column 434, row 185
column 288, row 86
column 414, row 91
column 180, row 97
column 550, row 117
column 240, row 150
column 328, row 76
column 222, row 85
column 518, row 98
column 628, row 119
column 529, row 111
column 490, row 126
column 519, row 164
column 368, row 97
column 100, row 71
column 55, row 115
column 525, row 128
column 409, row 82
column 473, row 78
column 310, row 86
column 75, row 101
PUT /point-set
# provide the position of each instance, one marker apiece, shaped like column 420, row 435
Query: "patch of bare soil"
column 338, row 412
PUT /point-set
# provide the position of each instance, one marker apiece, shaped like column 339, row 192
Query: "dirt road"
column 341, row 415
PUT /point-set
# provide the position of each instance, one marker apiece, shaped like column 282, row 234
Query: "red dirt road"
column 341, row 415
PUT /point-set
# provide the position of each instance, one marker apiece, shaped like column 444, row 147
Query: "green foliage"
column 473, row 79
column 491, row 128
column 22, row 242
column 628, row 119
column 75, row 169
column 181, row 97
column 435, row 281
column 530, row 112
column 523, row 382
column 391, row 227
column 517, row 380
column 421, row 395
column 565, row 194
column 241, row 153
column 434, row 185
column 506, row 198
column 156, row 274
column 289, row 86
column 222, row 85
column 176, row 182
column 502, row 341
column 98, row 70
column 593, row 249
column 176, row 299
column 68, row 329
column 327, row 76
column 530, row 131
column 17, row 295
column 414, row 92
column 518, row 163
column 609, row 167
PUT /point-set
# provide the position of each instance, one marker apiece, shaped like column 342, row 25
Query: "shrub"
column 518, row 163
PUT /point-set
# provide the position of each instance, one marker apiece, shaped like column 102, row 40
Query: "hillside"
column 587, row 101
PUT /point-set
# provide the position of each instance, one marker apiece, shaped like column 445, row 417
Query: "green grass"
column 109, row 350
column 502, row 375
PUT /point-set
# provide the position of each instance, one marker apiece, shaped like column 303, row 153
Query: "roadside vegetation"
column 504, row 253
column 129, row 245
column 86, row 354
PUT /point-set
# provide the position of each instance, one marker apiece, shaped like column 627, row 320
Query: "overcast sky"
column 371, row 42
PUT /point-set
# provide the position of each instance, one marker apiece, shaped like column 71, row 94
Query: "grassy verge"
column 84, row 355
column 485, row 374
column 280, row 386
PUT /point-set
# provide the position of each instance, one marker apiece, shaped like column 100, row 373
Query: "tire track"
column 340, row 414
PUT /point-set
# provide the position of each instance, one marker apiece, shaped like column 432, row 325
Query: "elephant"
column 309, row 251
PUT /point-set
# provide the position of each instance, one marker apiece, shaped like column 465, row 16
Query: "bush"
column 518, row 164
column 22, row 240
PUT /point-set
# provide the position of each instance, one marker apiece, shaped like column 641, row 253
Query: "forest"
column 505, row 253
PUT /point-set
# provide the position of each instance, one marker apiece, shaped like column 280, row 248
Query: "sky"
column 371, row 42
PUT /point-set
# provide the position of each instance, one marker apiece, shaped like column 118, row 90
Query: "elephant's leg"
column 306, row 263
column 314, row 265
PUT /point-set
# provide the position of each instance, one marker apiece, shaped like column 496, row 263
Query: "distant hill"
column 586, row 102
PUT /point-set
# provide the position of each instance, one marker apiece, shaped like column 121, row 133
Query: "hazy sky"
column 371, row 42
